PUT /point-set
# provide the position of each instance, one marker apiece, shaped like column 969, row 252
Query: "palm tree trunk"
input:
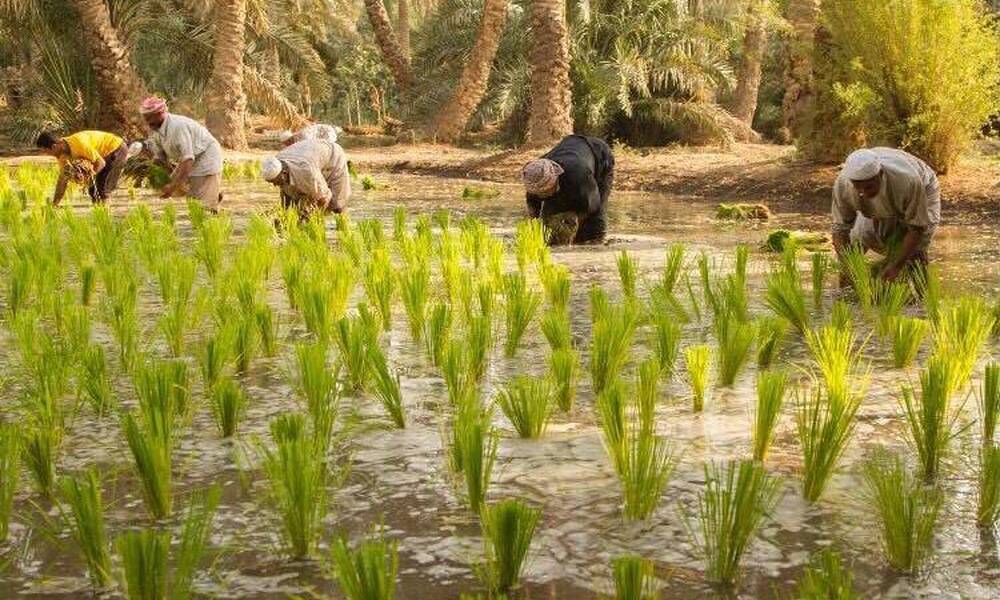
column 225, row 100
column 748, row 74
column 551, row 92
column 403, row 27
column 471, row 86
column 119, row 84
column 388, row 44
column 803, row 16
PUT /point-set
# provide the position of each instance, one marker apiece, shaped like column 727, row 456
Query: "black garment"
column 584, row 187
column 106, row 180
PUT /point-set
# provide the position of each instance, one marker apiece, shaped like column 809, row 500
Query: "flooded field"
column 401, row 477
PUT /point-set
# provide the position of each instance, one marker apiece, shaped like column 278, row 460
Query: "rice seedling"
column 564, row 369
column 820, row 268
column 890, row 300
column 854, row 264
column 707, row 289
column 928, row 285
column 771, row 333
column 39, row 448
column 648, row 392
column 386, row 386
column 298, row 478
column 628, row 273
column 988, row 507
column 931, row 418
column 826, row 578
column 508, row 527
column 520, row 306
column 611, row 345
column 666, row 343
column 735, row 339
column 195, row 532
column 216, row 354
column 907, row 334
column 825, row 427
column 612, row 415
column 93, row 382
column 647, row 464
column 367, row 572
column 354, row 336
column 323, row 294
column 121, row 296
column 88, row 281
column 906, row 510
column 771, row 387
column 86, row 511
column 438, row 332
column 457, row 371
column 150, row 440
column 10, row 474
column 672, row 268
column 840, row 316
column 989, row 402
column 837, row 358
column 414, row 287
column 634, row 578
column 785, row 297
column 229, row 403
column 556, row 283
column 962, row 329
column 531, row 245
column 210, row 243
column 315, row 383
column 380, row 285
column 736, row 499
column 144, row 554
column 267, row 328
column 527, row 404
column 555, row 327
column 480, row 343
column 696, row 359
column 474, row 451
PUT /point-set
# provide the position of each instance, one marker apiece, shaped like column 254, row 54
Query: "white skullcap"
column 284, row 136
column 540, row 175
column 861, row 165
column 270, row 168
column 134, row 149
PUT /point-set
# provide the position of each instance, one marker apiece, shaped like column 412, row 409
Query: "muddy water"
column 400, row 477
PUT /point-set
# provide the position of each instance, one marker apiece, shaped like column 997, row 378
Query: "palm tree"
column 551, row 92
column 119, row 84
column 225, row 99
column 803, row 16
column 403, row 26
column 744, row 103
column 471, row 86
column 388, row 43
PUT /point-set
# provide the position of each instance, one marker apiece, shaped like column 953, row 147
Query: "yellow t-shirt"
column 92, row 145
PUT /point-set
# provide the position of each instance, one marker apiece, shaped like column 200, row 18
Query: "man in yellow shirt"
column 105, row 153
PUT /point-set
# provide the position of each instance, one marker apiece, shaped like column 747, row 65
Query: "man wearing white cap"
column 196, row 154
column 316, row 131
column 312, row 175
column 888, row 201
column 572, row 180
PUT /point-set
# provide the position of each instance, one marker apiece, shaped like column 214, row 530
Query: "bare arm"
column 908, row 250
column 179, row 177
column 99, row 164
column 60, row 189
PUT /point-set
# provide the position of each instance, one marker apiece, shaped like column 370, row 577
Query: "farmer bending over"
column 188, row 144
column 92, row 158
column 568, row 188
column 316, row 131
column 312, row 175
column 888, row 201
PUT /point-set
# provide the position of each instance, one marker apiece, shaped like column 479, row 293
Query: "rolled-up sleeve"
column 922, row 205
column 842, row 212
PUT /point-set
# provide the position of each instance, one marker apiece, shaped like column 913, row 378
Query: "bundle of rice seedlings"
column 988, row 507
column 119, row 307
column 380, row 285
column 216, row 354
column 837, row 358
column 859, row 272
column 612, row 342
column 666, row 343
column 10, row 474
column 932, row 420
column 373, row 234
column 414, row 287
column 820, row 268
column 86, row 511
column 648, row 392
column 354, row 336
column 647, row 464
column 556, row 283
column 527, row 404
column 735, row 339
column 457, row 371
column 315, row 383
column 771, row 387
column 708, row 291
column 144, row 555
column 785, row 297
column 628, row 273
column 928, row 287
column 508, row 527
column 267, row 328
column 555, row 327
column 94, row 383
column 40, row 444
column 531, row 245
column 520, row 305
column 907, row 334
column 228, row 406
column 890, row 300
column 840, row 316
column 696, row 359
column 907, row 511
column 825, row 578
column 474, row 450
column 438, row 332
column 195, row 532
column 612, row 416
column 960, row 332
column 210, row 243
column 323, row 293
column 368, row 572
column 736, row 499
column 386, row 386
column 564, row 369
column 634, row 578
column 298, row 477
column 825, row 426
column 672, row 268
column 771, row 333
column 989, row 402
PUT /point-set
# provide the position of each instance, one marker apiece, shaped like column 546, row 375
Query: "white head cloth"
column 284, row 136
column 134, row 149
column 540, row 175
column 861, row 165
column 270, row 168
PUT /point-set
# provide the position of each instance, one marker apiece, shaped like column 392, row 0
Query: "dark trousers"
column 106, row 181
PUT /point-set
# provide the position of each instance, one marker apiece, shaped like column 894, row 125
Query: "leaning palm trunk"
column 225, row 99
column 120, row 86
column 403, row 26
column 388, row 44
column 551, row 91
column 748, row 76
column 471, row 85
column 803, row 16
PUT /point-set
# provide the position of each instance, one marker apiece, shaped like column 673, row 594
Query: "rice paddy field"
column 423, row 401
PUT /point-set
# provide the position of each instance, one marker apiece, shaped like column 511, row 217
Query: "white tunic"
column 317, row 169
column 180, row 138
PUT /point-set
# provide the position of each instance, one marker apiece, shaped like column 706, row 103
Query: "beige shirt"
column 316, row 168
column 180, row 138
column 909, row 194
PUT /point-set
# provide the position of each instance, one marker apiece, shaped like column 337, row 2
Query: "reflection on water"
column 400, row 477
